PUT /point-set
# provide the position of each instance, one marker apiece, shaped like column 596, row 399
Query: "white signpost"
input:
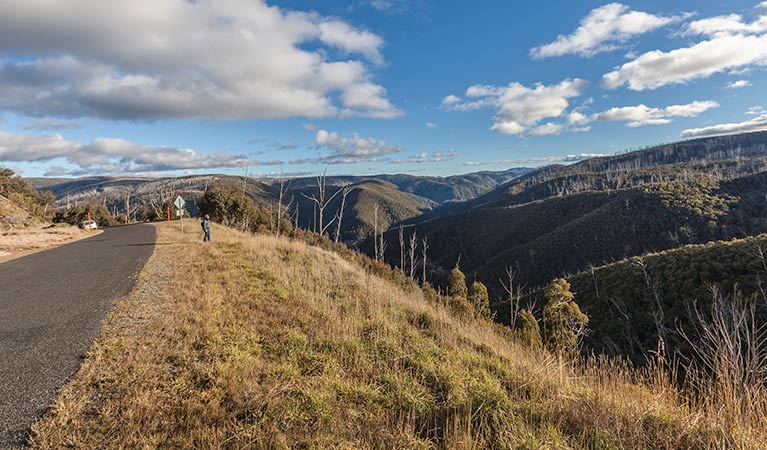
column 179, row 204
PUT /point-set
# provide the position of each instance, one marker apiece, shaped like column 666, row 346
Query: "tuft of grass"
column 259, row 342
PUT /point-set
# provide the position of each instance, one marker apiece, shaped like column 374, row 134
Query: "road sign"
column 179, row 202
column 180, row 212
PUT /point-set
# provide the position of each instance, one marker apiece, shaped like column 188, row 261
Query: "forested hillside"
column 559, row 220
column 632, row 302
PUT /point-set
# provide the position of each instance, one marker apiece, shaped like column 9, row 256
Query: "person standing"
column 206, row 228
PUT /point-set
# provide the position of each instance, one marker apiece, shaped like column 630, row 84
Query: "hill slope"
column 359, row 211
column 625, row 299
column 561, row 219
column 14, row 216
column 275, row 344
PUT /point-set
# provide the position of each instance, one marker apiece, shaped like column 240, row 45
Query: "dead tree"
column 381, row 248
column 321, row 201
column 515, row 296
column 657, row 308
column 296, row 217
column 413, row 247
column 424, row 248
column 401, row 249
column 280, row 206
column 129, row 208
column 340, row 214
column 375, row 230
column 314, row 217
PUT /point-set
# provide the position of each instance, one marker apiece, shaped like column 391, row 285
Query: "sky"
column 360, row 87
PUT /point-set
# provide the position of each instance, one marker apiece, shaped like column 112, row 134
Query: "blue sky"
column 367, row 86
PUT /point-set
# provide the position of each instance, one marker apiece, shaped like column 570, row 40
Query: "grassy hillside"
column 14, row 216
column 20, row 204
column 259, row 342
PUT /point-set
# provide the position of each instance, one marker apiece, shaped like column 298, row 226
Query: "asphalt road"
column 52, row 304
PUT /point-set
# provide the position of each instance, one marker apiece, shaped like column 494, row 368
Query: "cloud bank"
column 731, row 45
column 205, row 59
column 756, row 124
column 113, row 156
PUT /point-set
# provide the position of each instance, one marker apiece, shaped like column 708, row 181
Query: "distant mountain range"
column 399, row 197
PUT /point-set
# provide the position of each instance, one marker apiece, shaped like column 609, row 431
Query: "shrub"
column 479, row 298
column 457, row 284
column 429, row 293
column 230, row 206
column 17, row 190
column 563, row 321
column 527, row 330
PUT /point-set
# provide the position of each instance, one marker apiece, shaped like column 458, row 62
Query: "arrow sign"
column 179, row 202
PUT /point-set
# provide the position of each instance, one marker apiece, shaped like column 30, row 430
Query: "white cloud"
column 577, row 118
column 762, row 5
column 726, row 25
column 423, row 157
column 738, row 84
column 349, row 150
column 351, row 40
column 537, row 160
column 546, row 129
column 519, row 108
column 205, row 59
column 431, row 125
column 756, row 111
column 642, row 115
column 756, row 124
column 112, row 156
column 449, row 101
column 720, row 53
column 602, row 30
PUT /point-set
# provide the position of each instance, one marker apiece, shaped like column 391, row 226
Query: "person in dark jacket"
column 206, row 228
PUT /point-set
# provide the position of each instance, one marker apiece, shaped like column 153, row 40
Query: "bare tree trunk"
column 375, row 230
column 297, row 223
column 280, row 206
column 514, row 297
column 314, row 218
column 340, row 214
column 129, row 210
column 413, row 246
column 657, row 310
column 401, row 249
column 424, row 248
column 382, row 248
column 320, row 202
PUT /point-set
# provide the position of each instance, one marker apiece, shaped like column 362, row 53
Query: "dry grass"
column 17, row 242
column 259, row 342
